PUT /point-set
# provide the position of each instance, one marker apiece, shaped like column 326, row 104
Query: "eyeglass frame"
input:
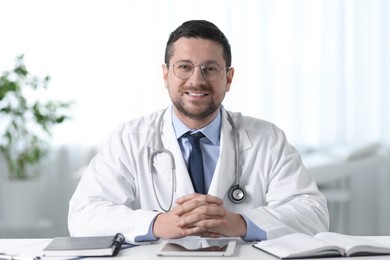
column 202, row 68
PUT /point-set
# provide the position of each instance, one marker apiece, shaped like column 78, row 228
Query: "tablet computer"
column 197, row 247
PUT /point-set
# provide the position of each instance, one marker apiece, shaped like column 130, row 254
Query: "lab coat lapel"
column 224, row 174
column 183, row 180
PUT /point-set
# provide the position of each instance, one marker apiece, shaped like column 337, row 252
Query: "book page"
column 298, row 245
column 354, row 244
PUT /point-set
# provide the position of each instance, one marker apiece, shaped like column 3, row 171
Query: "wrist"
column 238, row 224
column 156, row 226
column 242, row 227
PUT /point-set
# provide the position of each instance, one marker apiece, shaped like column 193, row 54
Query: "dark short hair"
column 199, row 29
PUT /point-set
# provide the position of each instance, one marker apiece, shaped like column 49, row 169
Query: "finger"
column 210, row 199
column 207, row 228
column 201, row 213
column 195, row 221
column 188, row 197
column 197, row 202
column 197, row 207
column 193, row 231
column 200, row 197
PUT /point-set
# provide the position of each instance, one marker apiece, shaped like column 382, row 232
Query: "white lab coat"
column 116, row 194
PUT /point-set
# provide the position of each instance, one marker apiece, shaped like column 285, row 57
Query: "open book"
column 323, row 244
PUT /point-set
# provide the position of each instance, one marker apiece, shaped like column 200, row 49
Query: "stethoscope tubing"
column 236, row 193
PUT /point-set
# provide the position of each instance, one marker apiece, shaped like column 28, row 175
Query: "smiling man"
column 195, row 168
column 193, row 76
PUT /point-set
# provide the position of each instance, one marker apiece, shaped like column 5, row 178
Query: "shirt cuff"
column 149, row 237
column 253, row 232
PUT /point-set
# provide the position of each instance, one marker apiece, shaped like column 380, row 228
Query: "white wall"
column 319, row 69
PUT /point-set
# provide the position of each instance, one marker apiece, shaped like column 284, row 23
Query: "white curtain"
column 319, row 69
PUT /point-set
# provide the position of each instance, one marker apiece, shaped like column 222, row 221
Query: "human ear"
column 229, row 78
column 165, row 69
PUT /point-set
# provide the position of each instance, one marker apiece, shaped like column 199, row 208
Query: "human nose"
column 198, row 74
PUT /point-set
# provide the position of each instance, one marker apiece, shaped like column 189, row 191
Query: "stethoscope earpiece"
column 237, row 194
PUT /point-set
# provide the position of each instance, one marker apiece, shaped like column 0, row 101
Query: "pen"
column 119, row 239
column 4, row 256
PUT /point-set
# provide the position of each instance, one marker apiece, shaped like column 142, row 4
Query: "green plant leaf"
column 23, row 141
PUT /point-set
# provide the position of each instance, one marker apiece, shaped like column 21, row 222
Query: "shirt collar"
column 211, row 131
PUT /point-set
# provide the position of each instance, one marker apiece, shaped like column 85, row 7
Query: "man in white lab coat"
column 254, row 185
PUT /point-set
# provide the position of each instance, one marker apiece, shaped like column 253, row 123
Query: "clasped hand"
column 199, row 215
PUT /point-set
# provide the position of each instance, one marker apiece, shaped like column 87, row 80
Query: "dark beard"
column 203, row 115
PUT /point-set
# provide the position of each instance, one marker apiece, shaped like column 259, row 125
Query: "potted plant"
column 26, row 122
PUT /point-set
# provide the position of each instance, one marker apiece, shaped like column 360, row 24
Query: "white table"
column 243, row 251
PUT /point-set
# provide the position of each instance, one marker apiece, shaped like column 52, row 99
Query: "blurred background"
column 319, row 69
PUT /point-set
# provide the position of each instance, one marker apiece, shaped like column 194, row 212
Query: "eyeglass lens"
column 185, row 69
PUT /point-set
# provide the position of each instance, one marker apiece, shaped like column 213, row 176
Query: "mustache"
column 197, row 89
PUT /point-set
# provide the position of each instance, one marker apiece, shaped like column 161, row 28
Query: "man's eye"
column 211, row 69
column 184, row 67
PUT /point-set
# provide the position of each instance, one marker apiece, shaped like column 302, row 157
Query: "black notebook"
column 85, row 246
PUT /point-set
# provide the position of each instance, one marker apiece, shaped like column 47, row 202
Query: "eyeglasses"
column 184, row 70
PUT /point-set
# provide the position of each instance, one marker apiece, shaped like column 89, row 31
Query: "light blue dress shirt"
column 209, row 145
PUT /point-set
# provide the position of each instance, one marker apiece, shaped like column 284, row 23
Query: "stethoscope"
column 236, row 193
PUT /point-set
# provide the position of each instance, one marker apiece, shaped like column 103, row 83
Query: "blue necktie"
column 195, row 164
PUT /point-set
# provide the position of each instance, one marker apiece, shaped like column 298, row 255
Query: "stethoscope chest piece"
column 237, row 194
